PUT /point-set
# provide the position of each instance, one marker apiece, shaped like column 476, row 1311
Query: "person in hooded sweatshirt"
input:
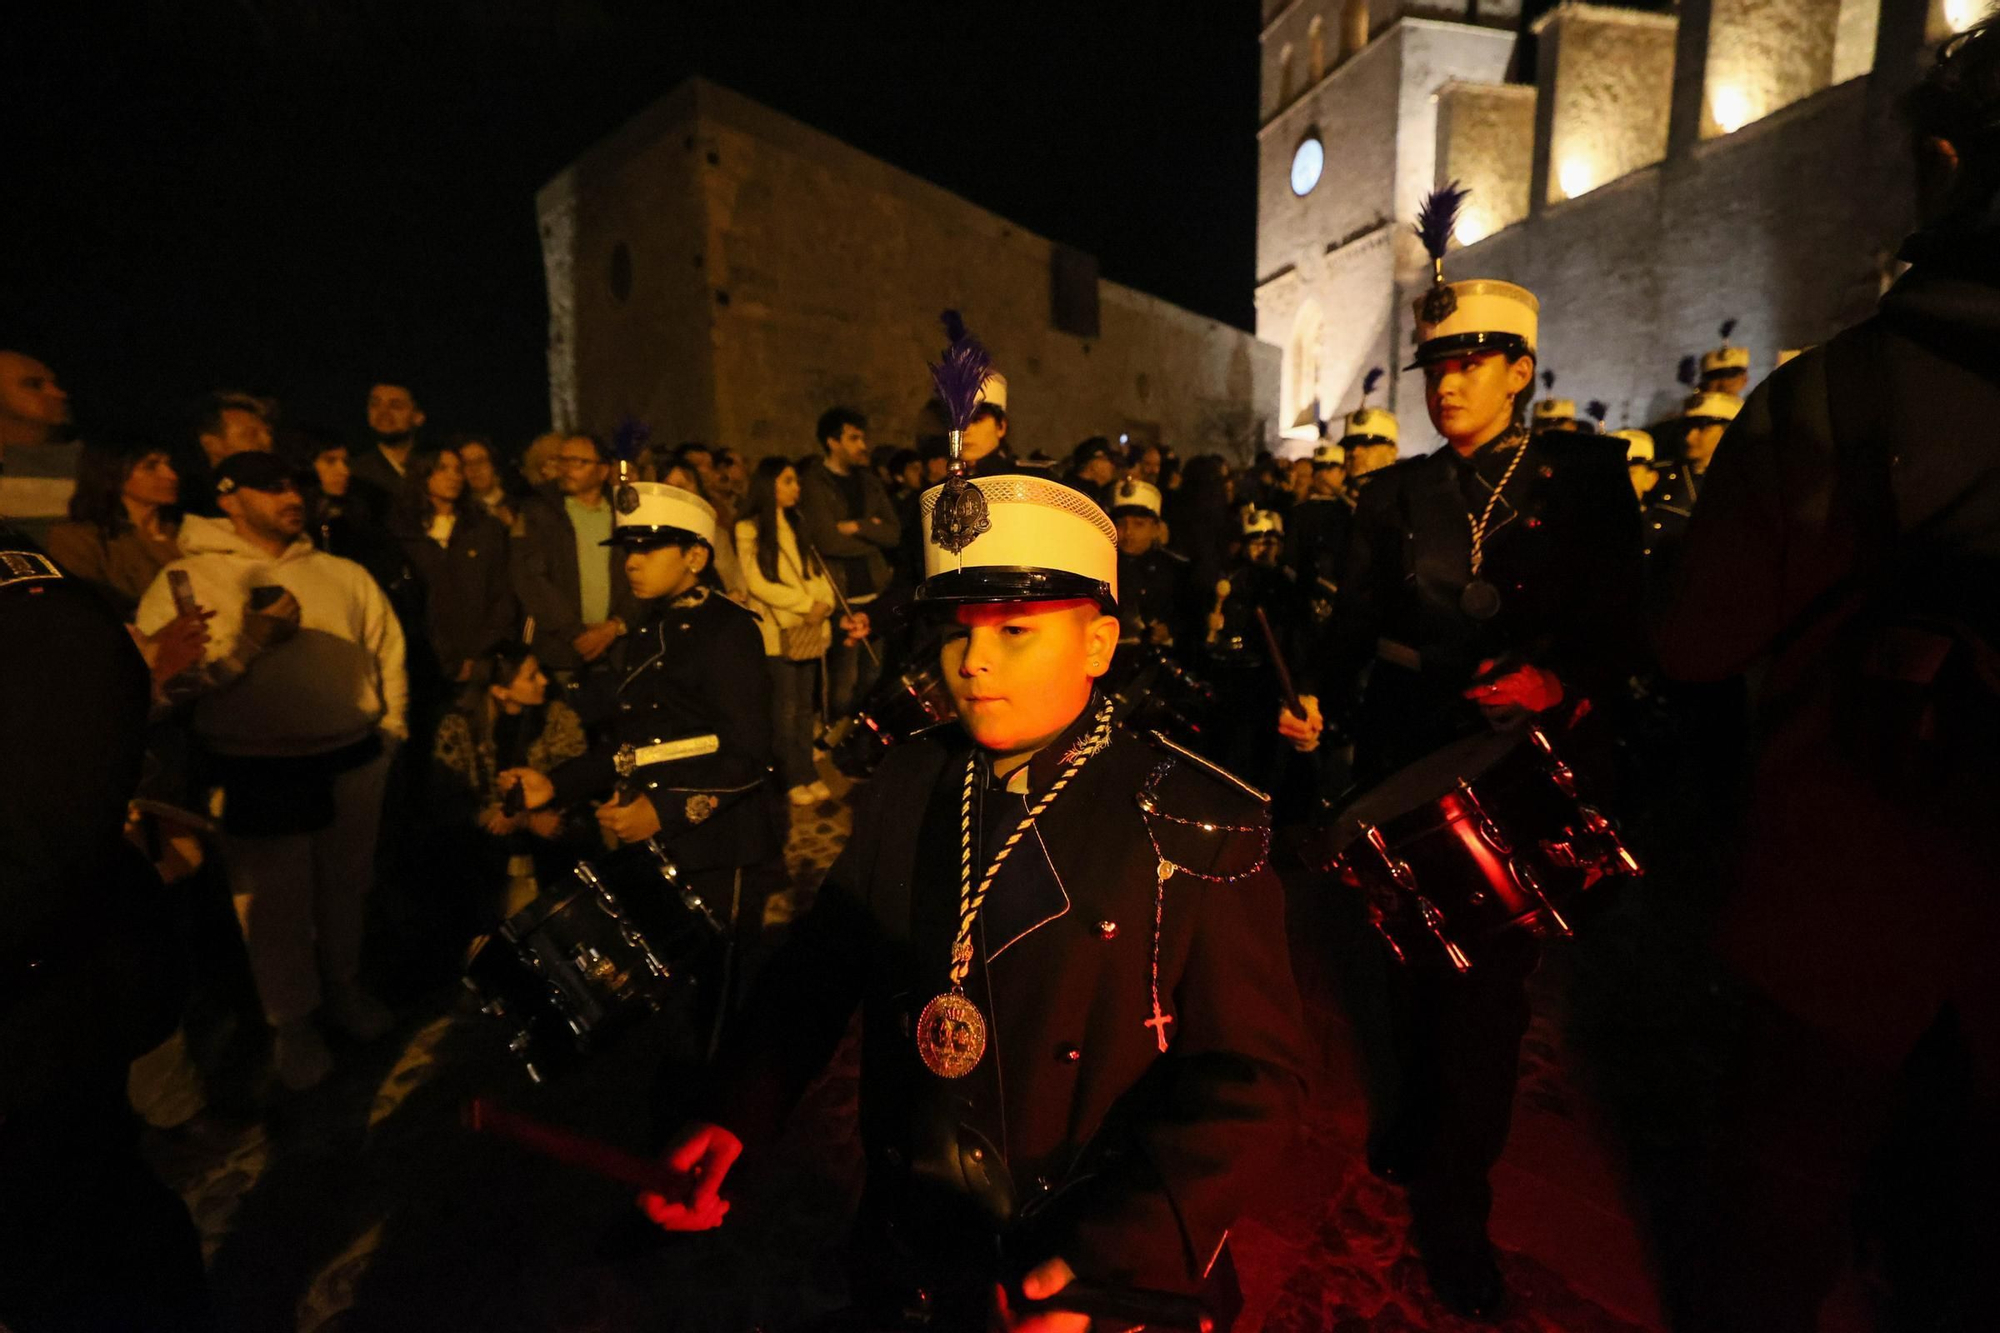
column 305, row 698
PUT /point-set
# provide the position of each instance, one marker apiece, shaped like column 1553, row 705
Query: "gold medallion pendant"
column 951, row 1035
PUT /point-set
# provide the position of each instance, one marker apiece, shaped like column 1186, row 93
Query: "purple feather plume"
column 1438, row 218
column 1690, row 367
column 1370, row 380
column 1597, row 410
column 1728, row 327
column 960, row 372
column 1548, row 381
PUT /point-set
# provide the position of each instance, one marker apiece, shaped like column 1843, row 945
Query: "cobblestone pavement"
column 367, row 1206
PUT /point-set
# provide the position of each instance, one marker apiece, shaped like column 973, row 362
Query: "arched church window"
column 1315, row 50
column 1353, row 27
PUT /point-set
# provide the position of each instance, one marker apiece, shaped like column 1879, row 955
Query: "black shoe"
column 1467, row 1281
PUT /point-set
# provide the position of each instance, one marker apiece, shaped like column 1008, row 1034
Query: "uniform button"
column 1656, row 527
column 979, row 1154
column 626, row 708
column 1107, row 930
column 1042, row 1184
column 1069, row 1054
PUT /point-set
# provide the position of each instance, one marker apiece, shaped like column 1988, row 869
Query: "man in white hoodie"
column 305, row 700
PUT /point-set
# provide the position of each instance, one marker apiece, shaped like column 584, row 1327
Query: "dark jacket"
column 88, row 973
column 543, row 559
column 823, row 505
column 1316, row 534
column 694, row 667
column 374, row 476
column 1563, row 552
column 1846, row 553
column 468, row 594
column 1130, row 1163
column 1154, row 589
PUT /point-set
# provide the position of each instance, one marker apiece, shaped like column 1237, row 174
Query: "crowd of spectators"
column 353, row 635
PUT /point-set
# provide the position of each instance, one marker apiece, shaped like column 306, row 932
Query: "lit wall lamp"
column 1730, row 108
column 1574, row 177
column 1473, row 227
column 1962, row 14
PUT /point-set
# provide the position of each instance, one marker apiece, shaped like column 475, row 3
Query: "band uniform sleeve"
column 1227, row 1107
column 1336, row 655
column 1601, row 640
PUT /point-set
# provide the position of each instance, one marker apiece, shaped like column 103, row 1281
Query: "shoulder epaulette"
column 1213, row 767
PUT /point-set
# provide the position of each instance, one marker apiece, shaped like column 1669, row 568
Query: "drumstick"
column 1292, row 704
column 845, row 609
column 573, row 1149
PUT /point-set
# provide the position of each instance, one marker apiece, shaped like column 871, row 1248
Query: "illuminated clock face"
column 1306, row 164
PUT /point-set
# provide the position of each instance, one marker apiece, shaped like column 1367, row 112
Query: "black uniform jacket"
column 1562, row 549
column 1317, row 530
column 1129, row 1163
column 695, row 667
column 1153, row 589
column 1669, row 506
column 87, row 963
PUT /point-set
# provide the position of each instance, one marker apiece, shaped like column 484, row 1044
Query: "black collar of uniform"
column 1046, row 763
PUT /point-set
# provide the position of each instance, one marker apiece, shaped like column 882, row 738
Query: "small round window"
column 1308, row 160
column 621, row 271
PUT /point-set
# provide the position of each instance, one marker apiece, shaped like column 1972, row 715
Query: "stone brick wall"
column 1611, row 89
column 1763, row 55
column 1486, row 142
column 777, row 271
column 1785, row 226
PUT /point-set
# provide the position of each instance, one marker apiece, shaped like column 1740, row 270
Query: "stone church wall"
column 777, row 271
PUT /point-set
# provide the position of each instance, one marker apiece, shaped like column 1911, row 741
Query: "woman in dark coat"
column 459, row 553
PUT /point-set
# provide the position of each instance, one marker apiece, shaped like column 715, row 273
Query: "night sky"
column 296, row 197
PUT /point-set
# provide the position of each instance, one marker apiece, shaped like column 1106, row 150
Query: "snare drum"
column 569, row 974
column 1486, row 835
column 896, row 710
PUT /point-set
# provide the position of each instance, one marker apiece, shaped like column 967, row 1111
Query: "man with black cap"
column 89, row 972
column 1489, row 585
column 1081, row 1041
column 306, row 700
column 687, row 710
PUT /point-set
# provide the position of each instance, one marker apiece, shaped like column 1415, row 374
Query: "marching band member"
column 1488, row 584
column 687, row 759
column 1152, row 580
column 1671, row 504
column 1081, row 1040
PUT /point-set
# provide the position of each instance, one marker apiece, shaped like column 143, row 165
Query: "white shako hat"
column 1330, row 454
column 652, row 513
column 1369, row 425
column 1459, row 318
column 993, row 391
column 1638, row 445
column 1258, row 521
column 1133, row 493
column 1725, row 360
column 1042, row 541
column 1555, row 409
column 1712, row 407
